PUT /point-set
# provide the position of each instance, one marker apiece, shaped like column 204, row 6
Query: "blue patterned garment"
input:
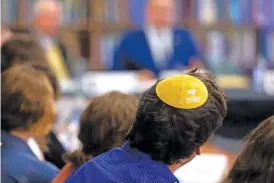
column 123, row 165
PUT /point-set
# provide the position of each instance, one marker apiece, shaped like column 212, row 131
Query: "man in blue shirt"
column 175, row 117
column 159, row 45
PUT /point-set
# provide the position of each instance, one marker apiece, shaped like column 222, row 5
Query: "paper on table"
column 203, row 169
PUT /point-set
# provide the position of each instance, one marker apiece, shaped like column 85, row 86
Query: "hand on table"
column 145, row 75
column 195, row 63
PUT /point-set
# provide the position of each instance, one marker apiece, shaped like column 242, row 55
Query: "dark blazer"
column 75, row 66
column 134, row 53
column 20, row 165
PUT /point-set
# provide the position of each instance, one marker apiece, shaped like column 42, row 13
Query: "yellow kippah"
column 182, row 91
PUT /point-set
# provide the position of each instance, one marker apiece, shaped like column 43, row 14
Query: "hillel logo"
column 192, row 98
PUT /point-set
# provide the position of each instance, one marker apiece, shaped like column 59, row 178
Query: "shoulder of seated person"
column 132, row 33
column 27, row 166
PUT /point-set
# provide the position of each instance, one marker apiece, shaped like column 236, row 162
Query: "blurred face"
column 49, row 20
column 160, row 13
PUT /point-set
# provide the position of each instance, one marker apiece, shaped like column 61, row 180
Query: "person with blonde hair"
column 103, row 126
column 27, row 111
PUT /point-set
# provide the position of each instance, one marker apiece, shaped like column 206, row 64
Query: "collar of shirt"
column 160, row 167
column 45, row 40
column 13, row 143
column 36, row 149
column 160, row 42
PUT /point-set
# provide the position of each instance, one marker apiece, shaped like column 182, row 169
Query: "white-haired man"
column 46, row 24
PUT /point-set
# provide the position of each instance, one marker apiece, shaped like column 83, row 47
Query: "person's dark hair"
column 169, row 134
column 104, row 125
column 21, row 48
column 255, row 163
column 51, row 77
column 25, row 93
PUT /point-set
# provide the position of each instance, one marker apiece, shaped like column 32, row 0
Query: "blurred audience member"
column 46, row 25
column 160, row 45
column 51, row 147
column 255, row 164
column 22, row 49
column 103, row 126
column 6, row 34
column 27, row 110
column 175, row 117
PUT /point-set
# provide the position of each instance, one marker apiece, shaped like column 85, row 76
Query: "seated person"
column 27, row 111
column 159, row 46
column 255, row 163
column 103, row 126
column 175, row 117
column 23, row 49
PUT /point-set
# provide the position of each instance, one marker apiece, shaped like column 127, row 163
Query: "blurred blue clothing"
column 123, row 165
column 20, row 165
column 134, row 53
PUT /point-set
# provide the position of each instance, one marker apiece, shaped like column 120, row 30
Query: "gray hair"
column 42, row 6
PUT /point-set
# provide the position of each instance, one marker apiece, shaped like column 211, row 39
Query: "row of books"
column 230, row 53
column 74, row 11
column 239, row 12
column 234, row 52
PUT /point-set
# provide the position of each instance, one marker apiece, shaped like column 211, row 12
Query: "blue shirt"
column 20, row 165
column 123, row 165
column 134, row 52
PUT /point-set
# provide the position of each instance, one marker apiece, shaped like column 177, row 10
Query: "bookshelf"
column 228, row 31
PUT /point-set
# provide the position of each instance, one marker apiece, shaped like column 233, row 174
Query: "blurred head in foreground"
column 104, row 125
column 177, row 116
column 27, row 102
column 23, row 49
column 255, row 163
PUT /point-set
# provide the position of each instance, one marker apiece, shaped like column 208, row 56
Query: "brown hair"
column 255, row 163
column 104, row 125
column 22, row 49
column 169, row 134
column 26, row 100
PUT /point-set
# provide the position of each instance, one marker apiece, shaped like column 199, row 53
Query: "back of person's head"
column 171, row 134
column 51, row 77
column 21, row 48
column 255, row 163
column 104, row 125
column 27, row 100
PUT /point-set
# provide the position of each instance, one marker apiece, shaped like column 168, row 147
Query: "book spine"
column 234, row 11
column 137, row 12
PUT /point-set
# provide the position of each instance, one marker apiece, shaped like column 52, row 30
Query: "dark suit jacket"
column 76, row 66
column 134, row 53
